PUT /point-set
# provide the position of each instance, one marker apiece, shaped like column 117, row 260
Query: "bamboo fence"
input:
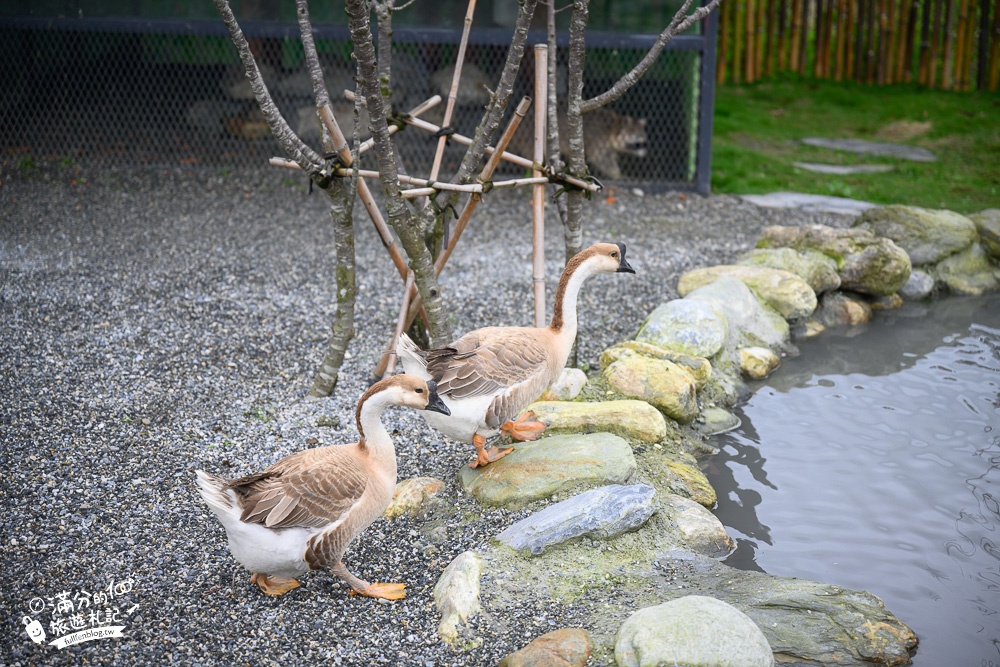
column 945, row 44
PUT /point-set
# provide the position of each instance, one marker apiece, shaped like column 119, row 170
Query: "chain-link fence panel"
column 162, row 92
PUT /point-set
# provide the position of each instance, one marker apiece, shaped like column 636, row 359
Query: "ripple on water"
column 874, row 462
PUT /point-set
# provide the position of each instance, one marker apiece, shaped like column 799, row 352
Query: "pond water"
column 872, row 461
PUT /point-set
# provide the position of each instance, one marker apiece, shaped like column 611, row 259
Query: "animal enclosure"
column 172, row 92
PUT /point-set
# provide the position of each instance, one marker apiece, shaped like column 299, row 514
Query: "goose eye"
column 419, row 390
column 615, row 255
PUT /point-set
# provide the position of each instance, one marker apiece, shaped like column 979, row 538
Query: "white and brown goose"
column 488, row 376
column 302, row 512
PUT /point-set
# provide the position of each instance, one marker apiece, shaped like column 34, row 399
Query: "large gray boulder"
column 456, row 596
column 659, row 382
column 699, row 367
column 695, row 631
column 988, row 225
column 695, row 328
column 969, row 272
column 599, row 513
column 750, row 322
column 814, row 267
column 566, row 647
column 635, row 420
column 782, row 290
column 927, row 235
column 555, row 464
column 867, row 263
column 837, row 309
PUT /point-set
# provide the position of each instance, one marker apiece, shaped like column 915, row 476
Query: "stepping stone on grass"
column 900, row 151
column 810, row 203
column 842, row 169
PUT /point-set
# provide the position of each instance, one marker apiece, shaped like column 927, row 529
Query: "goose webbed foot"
column 527, row 427
column 486, row 454
column 273, row 585
column 361, row 587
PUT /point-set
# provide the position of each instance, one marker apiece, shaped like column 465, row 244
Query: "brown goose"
column 488, row 376
column 302, row 512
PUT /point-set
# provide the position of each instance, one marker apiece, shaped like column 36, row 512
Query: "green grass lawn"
column 758, row 128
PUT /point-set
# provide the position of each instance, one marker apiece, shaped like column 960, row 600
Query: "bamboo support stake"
column 509, row 157
column 421, row 108
column 453, row 93
column 411, row 298
column 387, row 364
column 538, row 191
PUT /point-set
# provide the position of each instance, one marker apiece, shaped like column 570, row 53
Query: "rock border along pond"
column 619, row 523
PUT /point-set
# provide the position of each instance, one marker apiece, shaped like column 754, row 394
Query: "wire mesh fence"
column 166, row 92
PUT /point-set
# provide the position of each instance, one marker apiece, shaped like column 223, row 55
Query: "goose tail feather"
column 412, row 357
column 213, row 491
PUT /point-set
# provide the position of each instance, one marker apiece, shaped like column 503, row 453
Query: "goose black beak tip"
column 623, row 265
column 434, row 401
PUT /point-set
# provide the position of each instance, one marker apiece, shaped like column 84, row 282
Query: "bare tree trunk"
column 341, row 205
column 399, row 216
column 340, row 192
column 554, row 147
column 576, row 158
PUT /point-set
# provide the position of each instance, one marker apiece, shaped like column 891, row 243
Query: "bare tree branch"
column 340, row 192
column 681, row 22
column 399, row 215
column 500, row 99
column 293, row 147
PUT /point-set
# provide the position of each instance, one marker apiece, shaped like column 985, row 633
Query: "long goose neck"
column 374, row 437
column 564, row 322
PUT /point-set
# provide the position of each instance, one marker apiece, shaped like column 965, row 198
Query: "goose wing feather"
column 308, row 491
column 489, row 361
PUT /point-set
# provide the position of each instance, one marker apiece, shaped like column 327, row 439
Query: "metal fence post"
column 706, row 105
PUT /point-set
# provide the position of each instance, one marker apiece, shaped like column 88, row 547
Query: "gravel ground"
column 157, row 322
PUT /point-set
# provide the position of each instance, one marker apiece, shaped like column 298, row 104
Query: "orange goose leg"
column 527, row 427
column 273, row 585
column 362, row 587
column 484, row 455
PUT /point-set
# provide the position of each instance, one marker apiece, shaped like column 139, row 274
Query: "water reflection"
column 873, row 461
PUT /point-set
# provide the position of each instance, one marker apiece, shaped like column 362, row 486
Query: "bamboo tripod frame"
column 410, row 305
